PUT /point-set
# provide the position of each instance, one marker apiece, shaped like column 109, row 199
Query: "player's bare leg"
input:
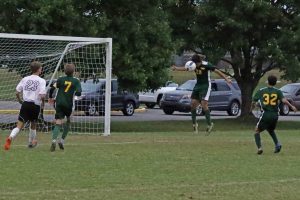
column 32, row 141
column 13, row 134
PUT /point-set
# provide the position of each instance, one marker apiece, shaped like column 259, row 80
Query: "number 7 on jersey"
column 68, row 85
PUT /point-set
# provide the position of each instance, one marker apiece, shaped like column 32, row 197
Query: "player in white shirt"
column 33, row 88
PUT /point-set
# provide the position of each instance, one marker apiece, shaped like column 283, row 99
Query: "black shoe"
column 53, row 146
column 277, row 149
column 259, row 151
column 32, row 144
column 61, row 146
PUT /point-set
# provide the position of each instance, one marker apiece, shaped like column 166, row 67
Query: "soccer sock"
column 274, row 137
column 207, row 117
column 257, row 140
column 55, row 132
column 194, row 116
column 14, row 132
column 66, row 130
column 32, row 135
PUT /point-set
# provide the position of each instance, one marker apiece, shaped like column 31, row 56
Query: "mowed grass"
column 155, row 165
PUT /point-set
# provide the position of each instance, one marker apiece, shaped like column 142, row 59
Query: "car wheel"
column 150, row 105
column 128, row 108
column 91, row 109
column 284, row 109
column 234, row 108
column 168, row 110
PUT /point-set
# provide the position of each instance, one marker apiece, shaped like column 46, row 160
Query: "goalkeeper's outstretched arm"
column 178, row 68
column 221, row 74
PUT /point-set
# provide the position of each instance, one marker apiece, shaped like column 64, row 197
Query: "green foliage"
column 257, row 36
column 142, row 44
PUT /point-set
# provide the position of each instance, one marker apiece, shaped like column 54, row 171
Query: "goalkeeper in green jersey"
column 67, row 86
column 269, row 99
column 202, row 89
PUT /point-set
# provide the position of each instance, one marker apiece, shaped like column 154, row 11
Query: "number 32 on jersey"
column 270, row 99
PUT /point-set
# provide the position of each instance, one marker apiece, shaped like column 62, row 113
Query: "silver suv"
column 223, row 97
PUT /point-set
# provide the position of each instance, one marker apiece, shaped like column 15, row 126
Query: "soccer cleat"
column 7, row 143
column 53, row 146
column 209, row 128
column 277, row 149
column 61, row 145
column 32, row 144
column 195, row 127
column 260, row 151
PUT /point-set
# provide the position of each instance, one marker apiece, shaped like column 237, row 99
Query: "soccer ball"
column 190, row 66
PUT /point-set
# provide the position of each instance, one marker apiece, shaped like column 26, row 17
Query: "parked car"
column 93, row 97
column 292, row 93
column 151, row 98
column 223, row 97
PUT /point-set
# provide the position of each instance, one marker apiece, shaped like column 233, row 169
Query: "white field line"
column 148, row 188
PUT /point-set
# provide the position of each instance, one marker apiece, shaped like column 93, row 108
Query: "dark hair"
column 197, row 58
column 69, row 69
column 272, row 80
column 35, row 66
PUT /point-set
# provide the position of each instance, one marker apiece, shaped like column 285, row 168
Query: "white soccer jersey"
column 32, row 87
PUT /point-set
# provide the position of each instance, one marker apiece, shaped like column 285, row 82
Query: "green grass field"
column 171, row 163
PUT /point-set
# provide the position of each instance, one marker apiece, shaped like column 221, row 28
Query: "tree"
column 142, row 44
column 259, row 36
column 141, row 40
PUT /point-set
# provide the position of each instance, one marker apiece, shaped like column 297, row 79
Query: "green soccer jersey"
column 269, row 98
column 203, row 75
column 68, row 86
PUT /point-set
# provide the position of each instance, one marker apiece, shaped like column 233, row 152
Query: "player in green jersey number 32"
column 269, row 99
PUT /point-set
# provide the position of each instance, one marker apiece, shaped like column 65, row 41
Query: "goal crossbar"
column 57, row 38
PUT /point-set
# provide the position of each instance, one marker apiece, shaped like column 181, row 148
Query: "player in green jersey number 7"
column 202, row 89
column 269, row 99
column 68, row 86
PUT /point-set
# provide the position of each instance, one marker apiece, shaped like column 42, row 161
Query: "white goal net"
column 92, row 58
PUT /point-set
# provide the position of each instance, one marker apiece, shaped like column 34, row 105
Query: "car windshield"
column 288, row 88
column 90, row 86
column 189, row 85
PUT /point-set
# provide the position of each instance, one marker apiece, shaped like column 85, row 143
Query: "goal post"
column 93, row 60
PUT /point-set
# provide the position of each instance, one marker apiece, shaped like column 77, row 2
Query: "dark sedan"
column 92, row 100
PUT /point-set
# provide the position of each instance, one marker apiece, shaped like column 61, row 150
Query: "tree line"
column 258, row 35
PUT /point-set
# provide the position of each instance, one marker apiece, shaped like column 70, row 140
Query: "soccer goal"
column 92, row 58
